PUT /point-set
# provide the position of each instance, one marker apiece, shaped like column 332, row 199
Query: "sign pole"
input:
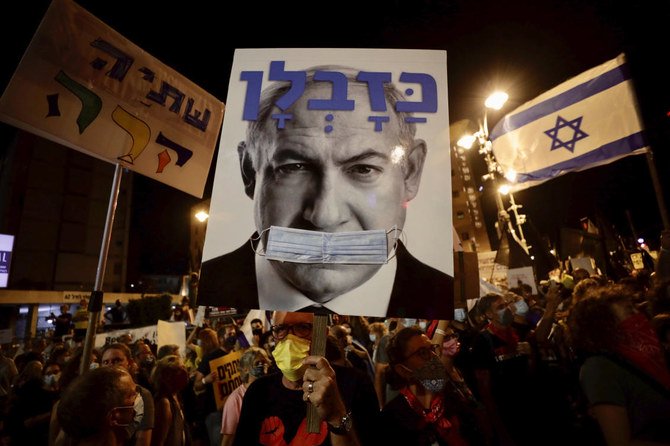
column 95, row 303
column 657, row 188
column 318, row 348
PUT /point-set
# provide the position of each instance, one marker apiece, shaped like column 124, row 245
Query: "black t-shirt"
column 208, row 399
column 62, row 324
column 271, row 411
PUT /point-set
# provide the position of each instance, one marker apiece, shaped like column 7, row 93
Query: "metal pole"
column 95, row 303
column 657, row 188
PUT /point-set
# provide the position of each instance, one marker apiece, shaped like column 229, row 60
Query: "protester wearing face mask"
column 141, row 429
column 51, row 376
column 27, row 413
column 275, row 406
column 625, row 376
column 254, row 364
column 519, row 308
column 231, row 339
column 145, row 360
column 421, row 414
column 98, row 407
column 502, row 369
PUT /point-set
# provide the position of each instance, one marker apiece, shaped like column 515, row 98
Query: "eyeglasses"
column 426, row 352
column 135, row 397
column 302, row 330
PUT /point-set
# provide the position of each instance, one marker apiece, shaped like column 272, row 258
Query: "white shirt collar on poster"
column 370, row 299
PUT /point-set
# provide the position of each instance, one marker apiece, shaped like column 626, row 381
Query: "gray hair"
column 262, row 132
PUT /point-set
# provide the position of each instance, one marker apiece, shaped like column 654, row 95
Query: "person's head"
column 32, row 371
column 97, row 403
column 168, row 349
column 661, row 323
column 228, row 336
column 143, row 354
column 51, row 375
column 580, row 274
column 332, row 172
column 169, row 377
column 292, row 333
column 64, row 309
column 208, row 339
column 595, row 321
column 61, row 355
column 377, row 331
column 126, row 339
column 413, row 359
column 256, row 323
column 342, row 334
column 518, row 305
column 496, row 309
column 450, row 344
column 177, row 310
column 254, row 363
column 582, row 288
column 118, row 355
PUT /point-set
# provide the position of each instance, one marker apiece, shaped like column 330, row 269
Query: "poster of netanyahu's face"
column 332, row 188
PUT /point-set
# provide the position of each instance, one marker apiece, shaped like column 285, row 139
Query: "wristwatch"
column 344, row 427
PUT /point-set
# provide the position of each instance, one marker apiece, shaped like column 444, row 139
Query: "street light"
column 202, row 216
column 495, row 171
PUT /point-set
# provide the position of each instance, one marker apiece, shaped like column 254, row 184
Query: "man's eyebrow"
column 364, row 156
column 282, row 154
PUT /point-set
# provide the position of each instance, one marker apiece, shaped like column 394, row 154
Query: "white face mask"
column 373, row 337
column 423, row 325
column 51, row 380
column 459, row 314
column 302, row 246
column 521, row 307
column 139, row 408
column 409, row 322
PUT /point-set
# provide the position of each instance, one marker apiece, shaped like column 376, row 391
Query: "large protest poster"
column 85, row 86
column 332, row 185
column 228, row 377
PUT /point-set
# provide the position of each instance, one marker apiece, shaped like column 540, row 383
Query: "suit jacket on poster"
column 418, row 289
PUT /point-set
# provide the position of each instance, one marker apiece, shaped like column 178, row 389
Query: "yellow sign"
column 227, row 376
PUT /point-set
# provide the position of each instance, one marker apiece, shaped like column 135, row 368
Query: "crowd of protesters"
column 582, row 361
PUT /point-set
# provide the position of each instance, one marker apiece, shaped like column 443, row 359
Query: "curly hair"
column 251, row 355
column 593, row 323
column 581, row 289
column 164, row 375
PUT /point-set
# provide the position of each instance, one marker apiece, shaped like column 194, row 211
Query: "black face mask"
column 257, row 331
column 230, row 341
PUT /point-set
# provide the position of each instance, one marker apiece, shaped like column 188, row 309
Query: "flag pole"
column 657, row 188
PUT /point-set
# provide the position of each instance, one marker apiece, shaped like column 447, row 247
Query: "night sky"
column 522, row 47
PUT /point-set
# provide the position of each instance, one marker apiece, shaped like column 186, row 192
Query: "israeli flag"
column 587, row 121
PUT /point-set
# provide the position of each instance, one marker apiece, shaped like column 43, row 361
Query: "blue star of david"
column 557, row 143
